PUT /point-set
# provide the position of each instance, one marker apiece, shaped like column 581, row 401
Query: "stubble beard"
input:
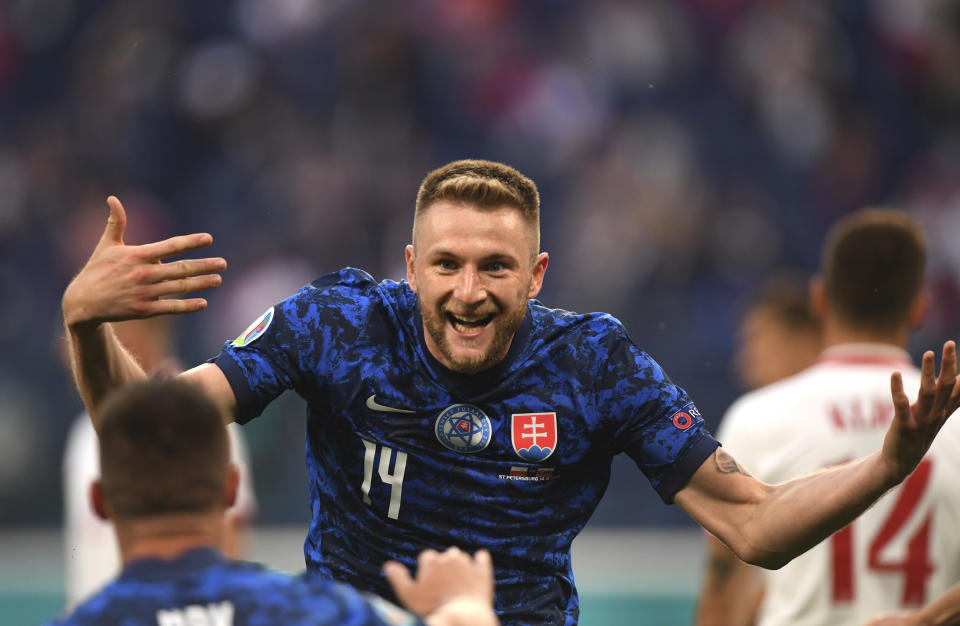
column 435, row 321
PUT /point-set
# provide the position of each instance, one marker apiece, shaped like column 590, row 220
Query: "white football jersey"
column 92, row 557
column 902, row 552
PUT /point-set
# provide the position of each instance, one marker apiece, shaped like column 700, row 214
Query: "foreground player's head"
column 873, row 271
column 475, row 260
column 163, row 450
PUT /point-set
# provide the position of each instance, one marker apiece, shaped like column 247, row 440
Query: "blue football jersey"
column 201, row 587
column 404, row 454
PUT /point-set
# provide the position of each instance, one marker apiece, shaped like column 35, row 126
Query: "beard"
column 436, row 322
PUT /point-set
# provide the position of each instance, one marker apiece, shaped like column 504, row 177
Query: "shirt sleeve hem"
column 246, row 400
column 689, row 463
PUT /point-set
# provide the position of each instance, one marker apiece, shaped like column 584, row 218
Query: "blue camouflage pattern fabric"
column 385, row 485
column 202, row 588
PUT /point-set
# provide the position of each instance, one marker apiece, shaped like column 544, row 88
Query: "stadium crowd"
column 684, row 149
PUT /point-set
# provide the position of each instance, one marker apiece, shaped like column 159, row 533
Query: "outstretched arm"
column 121, row 282
column 769, row 525
column 450, row 588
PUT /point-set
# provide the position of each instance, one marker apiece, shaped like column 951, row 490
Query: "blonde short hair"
column 484, row 184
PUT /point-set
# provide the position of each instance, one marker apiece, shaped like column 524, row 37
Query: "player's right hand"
column 121, row 282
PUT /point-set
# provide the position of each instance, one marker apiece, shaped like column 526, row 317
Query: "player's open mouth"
column 468, row 325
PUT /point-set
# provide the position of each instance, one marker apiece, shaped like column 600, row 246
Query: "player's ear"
column 919, row 308
column 232, row 486
column 97, row 502
column 411, row 276
column 818, row 297
column 539, row 269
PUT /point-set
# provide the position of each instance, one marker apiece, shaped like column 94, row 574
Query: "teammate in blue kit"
column 453, row 408
column 167, row 481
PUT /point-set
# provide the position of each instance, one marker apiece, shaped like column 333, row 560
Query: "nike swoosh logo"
column 374, row 406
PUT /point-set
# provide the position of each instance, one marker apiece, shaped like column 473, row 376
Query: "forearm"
column 464, row 612
column 100, row 364
column 768, row 525
column 799, row 514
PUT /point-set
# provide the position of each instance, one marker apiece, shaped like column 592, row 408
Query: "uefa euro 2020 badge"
column 255, row 330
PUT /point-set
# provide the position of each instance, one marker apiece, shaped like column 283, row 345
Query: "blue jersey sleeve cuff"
column 247, row 402
column 689, row 463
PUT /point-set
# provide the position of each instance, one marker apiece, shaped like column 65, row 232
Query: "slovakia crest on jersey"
column 463, row 428
column 533, row 435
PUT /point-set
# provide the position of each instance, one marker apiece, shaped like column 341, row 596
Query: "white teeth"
column 463, row 327
column 467, row 324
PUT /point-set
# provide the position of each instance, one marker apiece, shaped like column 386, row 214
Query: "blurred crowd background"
column 685, row 150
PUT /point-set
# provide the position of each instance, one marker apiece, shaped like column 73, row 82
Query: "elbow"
column 755, row 553
column 772, row 562
column 757, row 547
column 764, row 558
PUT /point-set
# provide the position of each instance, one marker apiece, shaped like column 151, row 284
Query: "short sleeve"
column 261, row 363
column 658, row 425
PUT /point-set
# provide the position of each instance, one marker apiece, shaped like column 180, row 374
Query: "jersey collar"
column 865, row 354
column 148, row 568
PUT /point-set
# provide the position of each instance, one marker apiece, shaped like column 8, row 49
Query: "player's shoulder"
column 591, row 344
column 96, row 609
column 349, row 277
column 804, row 383
column 348, row 280
column 588, row 327
column 356, row 282
column 348, row 292
column 774, row 402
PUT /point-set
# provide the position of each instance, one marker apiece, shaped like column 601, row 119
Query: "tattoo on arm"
column 720, row 567
column 726, row 464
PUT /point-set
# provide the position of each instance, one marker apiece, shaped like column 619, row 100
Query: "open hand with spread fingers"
column 122, row 281
column 915, row 425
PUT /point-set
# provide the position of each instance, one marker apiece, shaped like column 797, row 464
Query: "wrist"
column 73, row 315
column 890, row 472
column 84, row 331
column 465, row 612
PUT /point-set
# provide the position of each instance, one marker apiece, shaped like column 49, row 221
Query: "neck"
column 168, row 535
column 836, row 332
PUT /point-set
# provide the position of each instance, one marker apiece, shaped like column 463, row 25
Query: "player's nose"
column 470, row 288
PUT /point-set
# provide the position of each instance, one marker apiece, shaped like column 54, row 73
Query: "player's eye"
column 496, row 266
column 446, row 265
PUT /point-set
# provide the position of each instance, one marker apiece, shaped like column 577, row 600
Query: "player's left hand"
column 443, row 577
column 915, row 426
